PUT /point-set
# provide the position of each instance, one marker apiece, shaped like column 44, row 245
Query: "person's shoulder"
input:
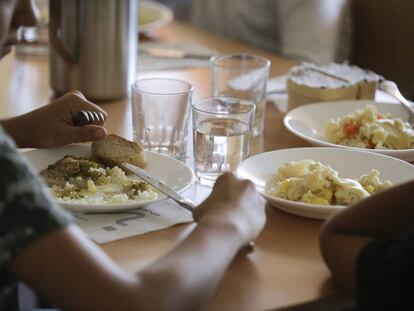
column 393, row 246
column 384, row 274
column 5, row 139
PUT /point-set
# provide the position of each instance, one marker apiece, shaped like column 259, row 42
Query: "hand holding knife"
column 162, row 187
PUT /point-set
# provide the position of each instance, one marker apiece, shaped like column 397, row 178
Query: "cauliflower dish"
column 367, row 128
column 312, row 182
column 80, row 180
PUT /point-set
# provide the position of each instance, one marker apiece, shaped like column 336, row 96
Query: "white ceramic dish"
column 153, row 15
column 347, row 162
column 173, row 172
column 308, row 122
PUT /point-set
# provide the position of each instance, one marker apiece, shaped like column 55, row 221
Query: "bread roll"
column 115, row 149
column 310, row 83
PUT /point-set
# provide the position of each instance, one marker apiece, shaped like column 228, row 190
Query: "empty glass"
column 35, row 40
column 160, row 115
column 242, row 76
column 221, row 135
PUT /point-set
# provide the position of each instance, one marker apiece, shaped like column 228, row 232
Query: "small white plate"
column 153, row 15
column 347, row 162
column 308, row 122
column 173, row 172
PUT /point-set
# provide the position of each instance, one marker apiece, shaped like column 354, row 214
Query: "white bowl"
column 308, row 122
column 347, row 162
column 153, row 15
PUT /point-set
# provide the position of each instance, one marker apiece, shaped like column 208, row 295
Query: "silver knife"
column 160, row 185
column 174, row 53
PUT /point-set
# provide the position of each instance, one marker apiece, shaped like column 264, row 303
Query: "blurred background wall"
column 384, row 40
column 382, row 35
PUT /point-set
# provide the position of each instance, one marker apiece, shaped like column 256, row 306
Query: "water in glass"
column 220, row 144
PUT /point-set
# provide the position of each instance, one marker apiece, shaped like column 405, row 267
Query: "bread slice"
column 114, row 149
column 308, row 83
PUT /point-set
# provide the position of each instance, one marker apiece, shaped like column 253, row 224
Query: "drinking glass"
column 160, row 115
column 221, row 135
column 34, row 40
column 242, row 76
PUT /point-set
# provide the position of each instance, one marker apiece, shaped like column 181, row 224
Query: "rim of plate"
column 356, row 150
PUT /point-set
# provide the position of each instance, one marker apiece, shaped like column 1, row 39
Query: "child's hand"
column 52, row 125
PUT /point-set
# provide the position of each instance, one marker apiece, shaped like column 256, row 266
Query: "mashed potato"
column 312, row 182
column 366, row 128
column 78, row 180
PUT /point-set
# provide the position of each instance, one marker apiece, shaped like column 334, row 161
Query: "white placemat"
column 103, row 228
column 146, row 62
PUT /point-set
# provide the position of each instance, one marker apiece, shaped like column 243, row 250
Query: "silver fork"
column 84, row 117
column 391, row 88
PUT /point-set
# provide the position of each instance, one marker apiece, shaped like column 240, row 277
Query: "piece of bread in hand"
column 114, row 149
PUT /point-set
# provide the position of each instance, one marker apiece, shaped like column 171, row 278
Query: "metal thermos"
column 93, row 47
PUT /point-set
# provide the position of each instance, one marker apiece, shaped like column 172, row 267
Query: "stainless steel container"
column 93, row 47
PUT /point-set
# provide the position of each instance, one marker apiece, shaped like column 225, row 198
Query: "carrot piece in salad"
column 351, row 129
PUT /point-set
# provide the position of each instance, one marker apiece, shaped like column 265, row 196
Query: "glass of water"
column 222, row 129
column 160, row 115
column 242, row 76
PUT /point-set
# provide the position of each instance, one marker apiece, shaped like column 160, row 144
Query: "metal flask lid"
column 93, row 47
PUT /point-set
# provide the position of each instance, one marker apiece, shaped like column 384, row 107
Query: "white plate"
column 174, row 173
column 347, row 162
column 153, row 15
column 308, row 122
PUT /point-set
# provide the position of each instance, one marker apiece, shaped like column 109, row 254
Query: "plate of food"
column 82, row 180
column 153, row 15
column 356, row 124
column 318, row 182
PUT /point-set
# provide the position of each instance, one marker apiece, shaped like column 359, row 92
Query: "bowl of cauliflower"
column 318, row 182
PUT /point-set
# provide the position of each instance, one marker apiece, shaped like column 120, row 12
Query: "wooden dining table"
column 286, row 268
